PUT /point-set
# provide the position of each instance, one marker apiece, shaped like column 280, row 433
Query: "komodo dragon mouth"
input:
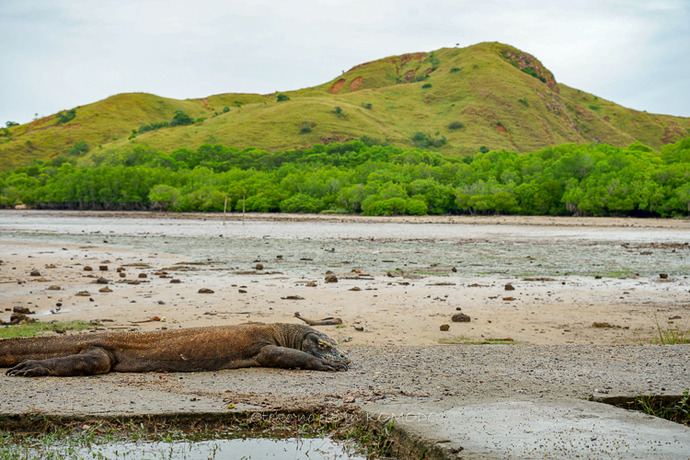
column 280, row 345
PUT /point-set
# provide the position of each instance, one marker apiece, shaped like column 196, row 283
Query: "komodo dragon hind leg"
column 288, row 358
column 90, row 362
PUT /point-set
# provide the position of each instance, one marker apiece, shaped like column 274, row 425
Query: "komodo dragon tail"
column 15, row 350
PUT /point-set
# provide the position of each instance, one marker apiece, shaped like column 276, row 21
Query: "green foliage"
column 426, row 141
column 34, row 328
column 455, row 69
column 367, row 105
column 364, row 177
column 79, row 149
column 152, row 127
column 455, row 125
column 426, row 85
column 181, row 118
column 434, row 61
column 533, row 73
column 524, row 101
column 64, row 117
column 338, row 111
column 306, row 127
column 282, row 97
column 10, row 124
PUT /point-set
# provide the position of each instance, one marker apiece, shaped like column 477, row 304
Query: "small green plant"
column 426, row 85
column 338, row 111
column 282, row 97
column 668, row 335
column 10, row 124
column 675, row 410
column 484, row 149
column 455, row 69
column 594, row 107
column 455, row 125
column 367, row 105
column 524, row 101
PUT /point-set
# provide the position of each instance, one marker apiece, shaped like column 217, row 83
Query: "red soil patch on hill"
column 356, row 84
column 337, row 86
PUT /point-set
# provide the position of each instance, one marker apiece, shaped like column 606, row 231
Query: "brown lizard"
column 186, row 350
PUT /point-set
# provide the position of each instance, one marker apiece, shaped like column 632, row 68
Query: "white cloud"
column 64, row 53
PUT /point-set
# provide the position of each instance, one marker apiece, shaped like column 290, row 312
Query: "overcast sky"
column 58, row 54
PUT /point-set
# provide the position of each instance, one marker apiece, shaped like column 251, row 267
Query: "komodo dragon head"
column 320, row 345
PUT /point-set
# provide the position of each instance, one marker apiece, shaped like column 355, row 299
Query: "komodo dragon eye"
column 323, row 344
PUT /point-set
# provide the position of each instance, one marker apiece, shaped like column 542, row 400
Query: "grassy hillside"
column 459, row 99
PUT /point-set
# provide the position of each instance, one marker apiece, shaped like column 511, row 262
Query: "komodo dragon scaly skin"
column 186, row 350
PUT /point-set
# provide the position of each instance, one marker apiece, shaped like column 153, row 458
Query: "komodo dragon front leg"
column 89, row 362
column 287, row 358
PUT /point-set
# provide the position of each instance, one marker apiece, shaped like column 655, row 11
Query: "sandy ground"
column 390, row 310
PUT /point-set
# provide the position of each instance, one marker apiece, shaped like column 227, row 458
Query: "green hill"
column 454, row 100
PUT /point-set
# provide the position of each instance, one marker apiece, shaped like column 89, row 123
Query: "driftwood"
column 328, row 321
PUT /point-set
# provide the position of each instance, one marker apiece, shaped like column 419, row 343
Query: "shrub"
column 425, row 141
column 64, row 117
column 367, row 105
column 426, row 85
column 181, row 119
column 484, row 149
column 305, row 128
column 282, row 97
column 524, row 102
column 10, row 124
column 455, row 69
column 453, row 125
column 337, row 111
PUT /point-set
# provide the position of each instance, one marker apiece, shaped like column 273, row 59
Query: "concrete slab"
column 535, row 429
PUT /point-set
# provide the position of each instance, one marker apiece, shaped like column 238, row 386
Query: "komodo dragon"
column 185, row 350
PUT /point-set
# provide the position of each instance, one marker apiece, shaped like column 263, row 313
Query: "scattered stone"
column 242, row 291
column 331, row 278
column 279, row 256
column 143, row 275
column 460, row 318
column 508, row 299
column 604, row 325
column 83, row 294
column 103, row 268
column 22, row 310
column 102, row 280
column 51, row 266
column 105, row 289
column 259, row 266
column 35, row 273
column 54, row 287
column 445, row 327
column 206, row 291
column 355, row 289
column 293, row 297
column 175, row 281
column 663, row 276
column 509, row 287
column 88, row 269
column 359, row 328
column 122, row 274
column 311, row 284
